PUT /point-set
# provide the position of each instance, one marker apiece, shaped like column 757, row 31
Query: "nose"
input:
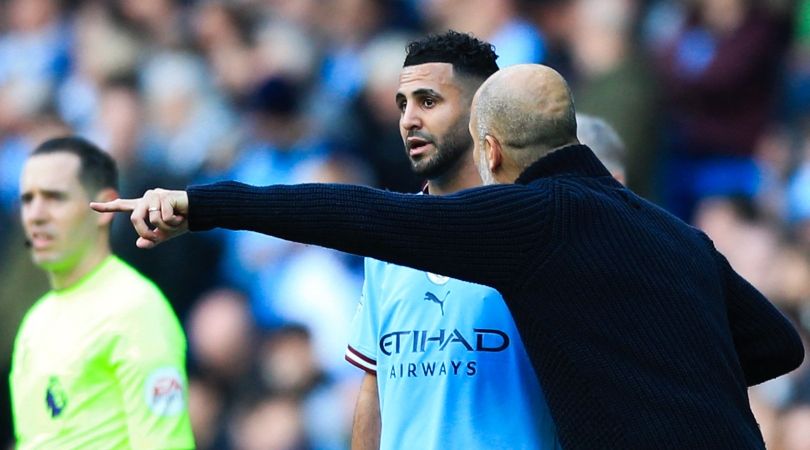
column 35, row 210
column 410, row 119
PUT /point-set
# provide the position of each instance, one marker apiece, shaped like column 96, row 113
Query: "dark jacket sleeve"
column 767, row 344
column 483, row 235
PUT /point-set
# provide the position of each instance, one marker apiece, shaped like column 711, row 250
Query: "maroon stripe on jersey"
column 361, row 356
column 359, row 366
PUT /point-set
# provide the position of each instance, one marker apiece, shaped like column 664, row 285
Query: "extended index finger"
column 117, row 205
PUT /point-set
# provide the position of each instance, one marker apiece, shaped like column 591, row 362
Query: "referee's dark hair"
column 468, row 55
column 97, row 169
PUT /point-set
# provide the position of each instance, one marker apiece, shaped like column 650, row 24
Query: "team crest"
column 165, row 392
column 437, row 279
column 55, row 397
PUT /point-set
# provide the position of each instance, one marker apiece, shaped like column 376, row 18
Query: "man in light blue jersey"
column 443, row 358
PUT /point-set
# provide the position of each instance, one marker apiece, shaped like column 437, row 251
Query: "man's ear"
column 105, row 195
column 494, row 152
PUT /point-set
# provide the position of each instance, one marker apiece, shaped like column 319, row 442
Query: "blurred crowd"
column 711, row 97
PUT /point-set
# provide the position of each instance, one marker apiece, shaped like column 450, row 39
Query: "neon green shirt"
column 101, row 365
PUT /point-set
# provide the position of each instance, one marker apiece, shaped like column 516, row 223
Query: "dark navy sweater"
column 641, row 334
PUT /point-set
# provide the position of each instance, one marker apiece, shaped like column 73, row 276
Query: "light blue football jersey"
column 451, row 368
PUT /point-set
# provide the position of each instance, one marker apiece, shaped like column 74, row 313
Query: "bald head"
column 529, row 109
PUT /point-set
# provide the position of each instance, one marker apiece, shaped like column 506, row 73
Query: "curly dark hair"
column 468, row 55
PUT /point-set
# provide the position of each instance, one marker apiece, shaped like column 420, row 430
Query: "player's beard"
column 449, row 149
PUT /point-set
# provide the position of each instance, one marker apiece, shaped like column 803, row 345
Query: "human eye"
column 401, row 104
column 57, row 196
column 428, row 102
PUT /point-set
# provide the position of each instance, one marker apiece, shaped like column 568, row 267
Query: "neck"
column 513, row 168
column 69, row 278
column 463, row 175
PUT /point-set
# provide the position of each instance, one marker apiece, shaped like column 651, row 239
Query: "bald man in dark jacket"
column 642, row 335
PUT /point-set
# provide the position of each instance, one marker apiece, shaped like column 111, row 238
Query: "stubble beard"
column 452, row 147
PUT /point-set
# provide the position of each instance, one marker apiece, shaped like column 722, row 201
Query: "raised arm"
column 485, row 235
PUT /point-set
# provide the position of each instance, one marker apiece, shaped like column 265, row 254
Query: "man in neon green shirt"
column 99, row 361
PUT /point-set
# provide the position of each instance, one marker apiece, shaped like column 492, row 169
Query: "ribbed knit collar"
column 572, row 159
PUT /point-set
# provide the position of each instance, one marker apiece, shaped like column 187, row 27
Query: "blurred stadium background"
column 712, row 98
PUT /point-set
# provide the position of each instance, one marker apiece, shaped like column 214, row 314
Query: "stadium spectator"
column 615, row 82
column 350, row 27
column 222, row 339
column 289, row 367
column 270, row 423
column 657, row 346
column 317, row 287
column 280, row 139
column 99, row 361
column 370, row 128
column 557, row 20
column 499, row 22
column 224, row 32
column 163, row 22
column 187, row 118
column 797, row 195
column 34, row 50
column 100, row 52
column 720, row 89
column 605, row 143
column 436, row 85
column 206, row 410
column 796, row 428
column 221, row 334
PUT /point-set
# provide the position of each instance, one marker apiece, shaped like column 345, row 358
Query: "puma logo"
column 432, row 298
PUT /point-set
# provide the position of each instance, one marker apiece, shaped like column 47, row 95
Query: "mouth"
column 418, row 146
column 40, row 241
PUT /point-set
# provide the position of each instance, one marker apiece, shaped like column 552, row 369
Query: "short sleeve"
column 148, row 359
column 362, row 349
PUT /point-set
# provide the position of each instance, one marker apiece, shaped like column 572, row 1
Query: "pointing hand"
column 165, row 210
